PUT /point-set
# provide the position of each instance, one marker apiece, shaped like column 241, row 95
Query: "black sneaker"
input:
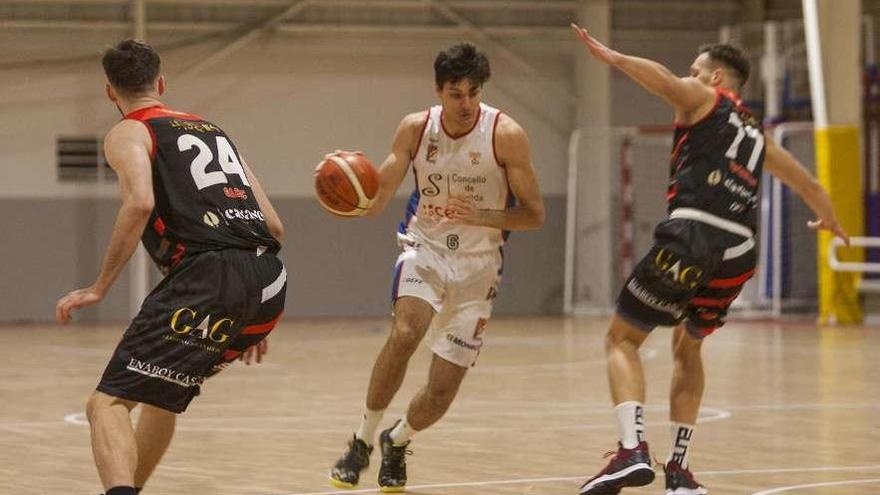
column 347, row 471
column 392, row 473
column 628, row 467
column 680, row 481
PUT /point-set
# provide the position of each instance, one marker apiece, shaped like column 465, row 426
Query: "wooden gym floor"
column 789, row 408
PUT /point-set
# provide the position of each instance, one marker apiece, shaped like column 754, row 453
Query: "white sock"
column 369, row 425
column 681, row 439
column 630, row 423
column 401, row 433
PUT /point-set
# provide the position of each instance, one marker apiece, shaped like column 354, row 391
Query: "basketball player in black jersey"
column 206, row 222
column 702, row 254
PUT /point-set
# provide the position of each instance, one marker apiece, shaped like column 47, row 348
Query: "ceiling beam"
column 293, row 9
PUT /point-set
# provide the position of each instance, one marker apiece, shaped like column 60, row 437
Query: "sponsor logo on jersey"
column 461, row 343
column 479, row 329
column 413, row 280
column 493, row 293
column 743, row 173
column 650, row 300
column 164, row 373
column 211, row 219
column 432, row 152
column 235, row 193
column 671, row 268
column 475, row 157
column 188, row 125
column 238, row 214
column 714, row 177
column 188, row 327
column 469, row 179
column 434, row 188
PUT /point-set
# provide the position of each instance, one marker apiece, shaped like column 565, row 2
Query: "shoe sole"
column 342, row 484
column 639, row 475
column 392, row 489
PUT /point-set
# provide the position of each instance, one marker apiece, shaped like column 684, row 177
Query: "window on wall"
column 81, row 158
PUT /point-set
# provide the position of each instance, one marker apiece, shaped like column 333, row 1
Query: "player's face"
column 461, row 102
column 703, row 71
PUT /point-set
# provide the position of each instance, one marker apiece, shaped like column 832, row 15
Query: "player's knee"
column 95, row 404
column 616, row 340
column 406, row 336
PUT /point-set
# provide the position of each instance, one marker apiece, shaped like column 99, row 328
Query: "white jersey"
column 463, row 166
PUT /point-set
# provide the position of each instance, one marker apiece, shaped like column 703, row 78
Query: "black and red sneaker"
column 680, row 481
column 628, row 467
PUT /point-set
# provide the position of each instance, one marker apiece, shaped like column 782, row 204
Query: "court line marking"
column 817, row 485
column 574, row 478
column 79, row 419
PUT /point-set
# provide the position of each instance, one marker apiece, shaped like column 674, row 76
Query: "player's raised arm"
column 127, row 148
column 779, row 162
column 393, row 169
column 686, row 94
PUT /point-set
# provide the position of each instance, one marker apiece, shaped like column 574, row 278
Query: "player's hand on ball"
column 255, row 352
column 77, row 299
column 463, row 210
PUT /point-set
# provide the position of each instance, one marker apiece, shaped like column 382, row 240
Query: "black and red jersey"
column 203, row 199
column 716, row 163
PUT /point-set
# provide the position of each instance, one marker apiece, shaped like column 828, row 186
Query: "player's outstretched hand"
column 77, row 299
column 830, row 225
column 255, row 352
column 462, row 210
column 596, row 48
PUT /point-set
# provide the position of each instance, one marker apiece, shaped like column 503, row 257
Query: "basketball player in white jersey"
column 474, row 182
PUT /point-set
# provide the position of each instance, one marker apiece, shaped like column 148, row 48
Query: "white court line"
column 79, row 419
column 575, row 478
column 817, row 485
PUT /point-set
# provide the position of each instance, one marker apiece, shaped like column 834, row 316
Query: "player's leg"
column 153, row 433
column 113, row 441
column 655, row 294
column 415, row 296
column 412, row 317
column 706, row 312
column 425, row 409
column 434, row 399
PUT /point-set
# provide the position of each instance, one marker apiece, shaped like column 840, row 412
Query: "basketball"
column 346, row 183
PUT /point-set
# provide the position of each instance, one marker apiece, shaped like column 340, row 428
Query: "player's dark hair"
column 131, row 66
column 461, row 61
column 729, row 56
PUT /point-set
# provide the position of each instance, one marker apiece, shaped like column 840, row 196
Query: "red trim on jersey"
column 157, row 112
column 476, row 121
column 421, row 135
column 726, row 283
column 494, row 148
column 159, row 226
column 715, row 303
column 261, row 328
column 718, row 93
column 678, row 145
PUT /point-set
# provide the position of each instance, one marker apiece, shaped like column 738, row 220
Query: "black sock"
column 122, row 490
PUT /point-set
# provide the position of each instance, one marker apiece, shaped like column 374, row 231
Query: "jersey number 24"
column 226, row 158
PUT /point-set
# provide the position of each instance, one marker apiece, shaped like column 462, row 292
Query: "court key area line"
column 576, row 478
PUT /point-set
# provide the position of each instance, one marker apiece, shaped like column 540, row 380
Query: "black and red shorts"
column 203, row 315
column 693, row 273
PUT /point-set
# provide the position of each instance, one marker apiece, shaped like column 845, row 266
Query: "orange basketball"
column 346, row 184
